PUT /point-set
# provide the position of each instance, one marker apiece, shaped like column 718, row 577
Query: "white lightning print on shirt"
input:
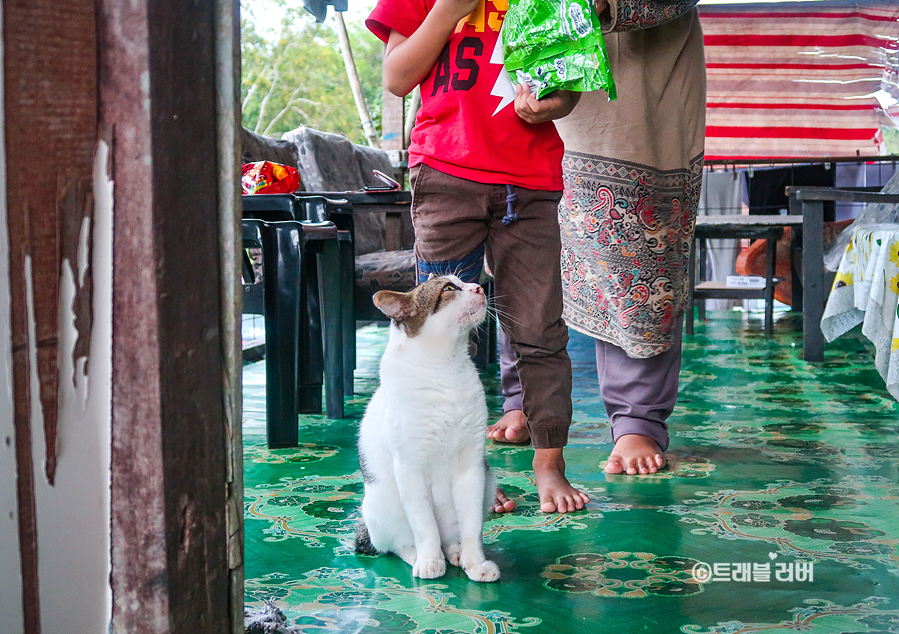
column 503, row 88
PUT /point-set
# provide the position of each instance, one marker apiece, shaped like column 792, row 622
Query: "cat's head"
column 442, row 304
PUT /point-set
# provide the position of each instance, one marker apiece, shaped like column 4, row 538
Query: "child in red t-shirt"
column 486, row 178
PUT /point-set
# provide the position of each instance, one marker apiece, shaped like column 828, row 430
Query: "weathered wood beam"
column 227, row 21
column 158, row 97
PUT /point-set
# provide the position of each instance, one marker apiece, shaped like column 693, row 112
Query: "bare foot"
column 635, row 454
column 555, row 491
column 512, row 428
column 502, row 504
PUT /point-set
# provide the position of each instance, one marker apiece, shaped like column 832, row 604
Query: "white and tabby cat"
column 421, row 441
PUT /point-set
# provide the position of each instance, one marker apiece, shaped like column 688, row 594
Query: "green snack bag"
column 556, row 45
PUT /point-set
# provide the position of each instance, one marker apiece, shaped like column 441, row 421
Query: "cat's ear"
column 395, row 305
column 431, row 276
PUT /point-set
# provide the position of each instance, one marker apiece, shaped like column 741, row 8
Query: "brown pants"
column 455, row 218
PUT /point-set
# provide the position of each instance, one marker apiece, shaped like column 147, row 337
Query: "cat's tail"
column 363, row 540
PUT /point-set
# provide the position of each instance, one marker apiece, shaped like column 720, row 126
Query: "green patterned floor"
column 784, row 474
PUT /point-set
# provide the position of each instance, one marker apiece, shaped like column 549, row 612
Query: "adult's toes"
column 614, row 466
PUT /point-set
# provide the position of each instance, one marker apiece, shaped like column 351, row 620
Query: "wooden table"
column 736, row 227
column 808, row 202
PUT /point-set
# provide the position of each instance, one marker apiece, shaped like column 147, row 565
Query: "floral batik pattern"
column 633, row 15
column 626, row 233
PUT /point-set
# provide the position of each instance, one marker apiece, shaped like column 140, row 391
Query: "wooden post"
column 227, row 28
column 169, row 497
column 367, row 126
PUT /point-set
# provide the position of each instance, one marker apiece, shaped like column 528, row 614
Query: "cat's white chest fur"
column 422, row 442
column 427, row 400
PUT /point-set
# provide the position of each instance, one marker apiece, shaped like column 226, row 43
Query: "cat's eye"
column 450, row 287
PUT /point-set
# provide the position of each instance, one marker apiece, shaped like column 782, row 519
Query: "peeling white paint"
column 10, row 564
column 83, row 249
column 74, row 515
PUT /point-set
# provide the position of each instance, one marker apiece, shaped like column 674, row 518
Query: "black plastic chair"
column 302, row 314
column 317, row 208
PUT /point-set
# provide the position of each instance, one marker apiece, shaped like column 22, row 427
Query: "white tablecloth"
column 866, row 291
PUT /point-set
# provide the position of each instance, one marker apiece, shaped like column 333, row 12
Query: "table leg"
column 347, row 309
column 796, row 257
column 328, row 262
column 703, row 275
column 770, row 268
column 282, row 262
column 812, row 279
column 691, row 283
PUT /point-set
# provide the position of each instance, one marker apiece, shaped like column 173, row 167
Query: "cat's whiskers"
column 502, row 315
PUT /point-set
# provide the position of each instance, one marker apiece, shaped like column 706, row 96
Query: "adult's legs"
column 639, row 395
column 513, row 426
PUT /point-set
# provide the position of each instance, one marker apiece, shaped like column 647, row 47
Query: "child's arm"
column 555, row 105
column 407, row 61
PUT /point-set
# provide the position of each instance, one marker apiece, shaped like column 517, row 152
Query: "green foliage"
column 297, row 76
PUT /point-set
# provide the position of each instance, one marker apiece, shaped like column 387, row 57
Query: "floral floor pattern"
column 779, row 509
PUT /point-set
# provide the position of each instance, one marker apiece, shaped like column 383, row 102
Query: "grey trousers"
column 639, row 394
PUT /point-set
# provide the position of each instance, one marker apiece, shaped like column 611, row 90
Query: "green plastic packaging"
column 556, row 45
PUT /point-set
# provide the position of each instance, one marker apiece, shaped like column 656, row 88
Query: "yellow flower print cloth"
column 866, row 292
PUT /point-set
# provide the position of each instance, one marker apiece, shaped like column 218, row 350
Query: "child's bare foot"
column 555, row 491
column 502, row 504
column 635, row 454
column 512, row 428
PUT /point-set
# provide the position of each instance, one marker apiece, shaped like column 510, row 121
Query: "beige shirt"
column 632, row 172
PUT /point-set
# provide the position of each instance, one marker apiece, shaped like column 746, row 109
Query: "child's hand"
column 553, row 106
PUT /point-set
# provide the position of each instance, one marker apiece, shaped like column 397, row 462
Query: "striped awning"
column 800, row 79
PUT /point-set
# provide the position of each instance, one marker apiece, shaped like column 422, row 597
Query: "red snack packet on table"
column 266, row 177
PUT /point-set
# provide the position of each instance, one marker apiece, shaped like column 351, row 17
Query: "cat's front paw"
column 429, row 568
column 483, row 572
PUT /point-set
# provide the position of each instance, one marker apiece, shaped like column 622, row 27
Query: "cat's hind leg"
column 387, row 527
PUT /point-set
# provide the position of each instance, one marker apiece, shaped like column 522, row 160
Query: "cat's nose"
column 479, row 290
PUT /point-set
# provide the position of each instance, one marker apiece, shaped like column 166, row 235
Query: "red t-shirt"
column 467, row 126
